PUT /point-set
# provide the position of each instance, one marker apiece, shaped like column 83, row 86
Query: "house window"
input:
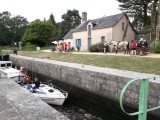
column 89, row 30
column 122, row 26
column 78, row 42
column 102, row 39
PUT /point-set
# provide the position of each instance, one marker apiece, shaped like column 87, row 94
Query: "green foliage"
column 11, row 28
column 59, row 34
column 138, row 10
column 29, row 47
column 156, row 49
column 72, row 49
column 39, row 33
column 78, row 48
column 45, row 47
column 96, row 47
column 70, row 20
column 51, row 18
column 0, row 50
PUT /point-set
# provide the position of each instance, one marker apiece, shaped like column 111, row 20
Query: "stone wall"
column 104, row 82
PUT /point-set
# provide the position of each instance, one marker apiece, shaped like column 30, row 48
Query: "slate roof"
column 69, row 35
column 104, row 22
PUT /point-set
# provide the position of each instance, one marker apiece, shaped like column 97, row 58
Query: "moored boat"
column 49, row 94
column 6, row 71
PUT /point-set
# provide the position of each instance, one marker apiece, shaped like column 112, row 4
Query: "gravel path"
column 150, row 55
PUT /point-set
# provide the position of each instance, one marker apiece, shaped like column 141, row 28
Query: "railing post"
column 143, row 100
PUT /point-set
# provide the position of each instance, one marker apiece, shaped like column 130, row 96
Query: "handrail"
column 143, row 98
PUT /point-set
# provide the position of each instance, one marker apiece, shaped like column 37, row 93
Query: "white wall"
column 84, row 39
column 95, row 37
column 118, row 33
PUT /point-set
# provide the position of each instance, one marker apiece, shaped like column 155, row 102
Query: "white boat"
column 6, row 71
column 49, row 94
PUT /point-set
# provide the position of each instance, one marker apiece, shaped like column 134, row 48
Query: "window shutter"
column 80, row 41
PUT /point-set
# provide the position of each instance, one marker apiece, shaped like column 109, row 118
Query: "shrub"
column 29, row 47
column 71, row 49
column 78, row 48
column 156, row 49
column 0, row 50
column 98, row 47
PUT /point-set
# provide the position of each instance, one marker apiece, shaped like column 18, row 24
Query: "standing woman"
column 134, row 45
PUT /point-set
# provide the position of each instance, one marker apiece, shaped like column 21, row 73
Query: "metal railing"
column 143, row 99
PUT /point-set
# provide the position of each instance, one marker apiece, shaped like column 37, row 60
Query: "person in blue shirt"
column 37, row 83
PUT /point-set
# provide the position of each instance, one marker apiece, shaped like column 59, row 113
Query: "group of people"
column 27, row 79
column 61, row 47
column 141, row 43
column 134, row 44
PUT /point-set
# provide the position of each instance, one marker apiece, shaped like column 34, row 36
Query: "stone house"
column 115, row 27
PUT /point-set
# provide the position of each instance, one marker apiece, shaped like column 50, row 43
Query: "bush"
column 71, row 49
column 78, row 48
column 156, row 49
column 99, row 47
column 29, row 47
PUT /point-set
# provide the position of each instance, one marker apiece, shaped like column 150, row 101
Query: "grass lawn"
column 139, row 64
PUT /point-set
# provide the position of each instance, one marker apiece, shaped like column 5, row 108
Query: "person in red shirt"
column 134, row 45
column 65, row 47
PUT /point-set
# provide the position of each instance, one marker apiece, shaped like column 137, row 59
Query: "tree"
column 70, row 20
column 51, row 18
column 154, row 14
column 4, row 32
column 59, row 34
column 138, row 10
column 17, row 28
column 11, row 28
column 39, row 33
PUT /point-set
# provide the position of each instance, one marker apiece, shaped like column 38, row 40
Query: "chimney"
column 84, row 16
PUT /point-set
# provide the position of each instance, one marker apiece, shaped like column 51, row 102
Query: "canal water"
column 75, row 113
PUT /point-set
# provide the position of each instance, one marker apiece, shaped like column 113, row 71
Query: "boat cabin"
column 6, row 71
column 5, row 64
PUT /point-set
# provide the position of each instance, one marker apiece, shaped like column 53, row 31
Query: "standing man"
column 141, row 40
column 105, row 47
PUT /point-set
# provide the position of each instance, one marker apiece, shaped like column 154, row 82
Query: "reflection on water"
column 75, row 113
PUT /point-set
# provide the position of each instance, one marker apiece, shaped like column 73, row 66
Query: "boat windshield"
column 40, row 92
column 51, row 90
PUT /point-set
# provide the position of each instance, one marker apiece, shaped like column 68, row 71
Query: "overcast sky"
column 40, row 9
